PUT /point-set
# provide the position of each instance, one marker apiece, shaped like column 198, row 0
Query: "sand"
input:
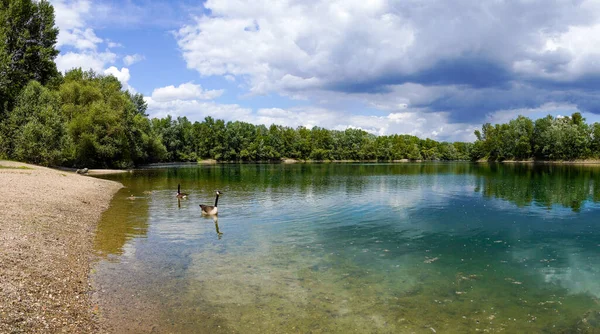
column 47, row 221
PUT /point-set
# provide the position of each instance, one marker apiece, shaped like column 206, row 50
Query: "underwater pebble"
column 428, row 260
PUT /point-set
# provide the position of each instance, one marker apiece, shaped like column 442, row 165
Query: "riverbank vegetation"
column 547, row 139
column 85, row 119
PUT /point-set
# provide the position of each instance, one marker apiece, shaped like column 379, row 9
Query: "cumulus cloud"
column 122, row 75
column 70, row 18
column 80, row 39
column 465, row 58
column 79, row 43
column 70, row 14
column 132, row 59
column 185, row 91
column 96, row 61
column 196, row 110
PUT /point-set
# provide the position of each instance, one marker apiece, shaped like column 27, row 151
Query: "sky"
column 430, row 68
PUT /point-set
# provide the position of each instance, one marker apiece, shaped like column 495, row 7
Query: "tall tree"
column 27, row 46
column 141, row 106
column 39, row 132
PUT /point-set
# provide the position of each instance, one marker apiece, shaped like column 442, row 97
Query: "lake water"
column 365, row 248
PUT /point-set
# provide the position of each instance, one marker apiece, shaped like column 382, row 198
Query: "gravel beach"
column 47, row 221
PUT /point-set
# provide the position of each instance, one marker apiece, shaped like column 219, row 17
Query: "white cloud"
column 462, row 60
column 306, row 116
column 132, row 59
column 296, row 45
column 70, row 14
column 196, row 110
column 185, row 91
column 504, row 116
column 71, row 20
column 112, row 44
column 293, row 45
column 96, row 61
column 563, row 56
column 414, row 122
column 434, row 125
column 121, row 75
column 80, row 39
column 79, row 43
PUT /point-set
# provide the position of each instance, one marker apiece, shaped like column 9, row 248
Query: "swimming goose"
column 211, row 210
column 179, row 193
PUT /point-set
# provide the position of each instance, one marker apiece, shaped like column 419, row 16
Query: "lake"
column 366, row 248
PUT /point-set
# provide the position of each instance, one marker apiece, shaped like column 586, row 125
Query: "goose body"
column 210, row 209
column 179, row 193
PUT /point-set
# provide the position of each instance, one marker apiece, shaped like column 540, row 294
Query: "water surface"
column 366, row 248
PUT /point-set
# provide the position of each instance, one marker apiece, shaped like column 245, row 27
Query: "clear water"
column 366, row 248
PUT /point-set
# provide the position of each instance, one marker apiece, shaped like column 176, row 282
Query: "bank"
column 48, row 219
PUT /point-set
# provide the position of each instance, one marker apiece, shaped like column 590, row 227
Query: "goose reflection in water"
column 215, row 219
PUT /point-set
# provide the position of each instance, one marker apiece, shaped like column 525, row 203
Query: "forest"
column 81, row 118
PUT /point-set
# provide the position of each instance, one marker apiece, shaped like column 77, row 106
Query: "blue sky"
column 434, row 68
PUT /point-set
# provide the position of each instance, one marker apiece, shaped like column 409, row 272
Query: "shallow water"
column 366, row 248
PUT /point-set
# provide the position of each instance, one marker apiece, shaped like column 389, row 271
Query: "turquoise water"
column 366, row 248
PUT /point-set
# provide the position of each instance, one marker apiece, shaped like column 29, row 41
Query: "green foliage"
column 240, row 141
column 548, row 138
column 108, row 126
column 139, row 103
column 37, row 128
column 18, row 167
column 27, row 52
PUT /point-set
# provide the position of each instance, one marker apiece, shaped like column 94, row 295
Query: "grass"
column 18, row 167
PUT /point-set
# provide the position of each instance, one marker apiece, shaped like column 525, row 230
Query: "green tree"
column 542, row 138
column 518, row 138
column 141, row 106
column 595, row 141
column 27, row 46
column 100, row 119
column 39, row 133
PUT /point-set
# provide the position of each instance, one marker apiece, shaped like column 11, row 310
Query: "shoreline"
column 288, row 161
column 48, row 219
column 547, row 162
column 95, row 171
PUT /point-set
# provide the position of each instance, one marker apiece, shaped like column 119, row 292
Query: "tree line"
column 84, row 118
column 548, row 138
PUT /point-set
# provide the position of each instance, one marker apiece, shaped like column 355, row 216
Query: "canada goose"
column 211, row 210
column 179, row 193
